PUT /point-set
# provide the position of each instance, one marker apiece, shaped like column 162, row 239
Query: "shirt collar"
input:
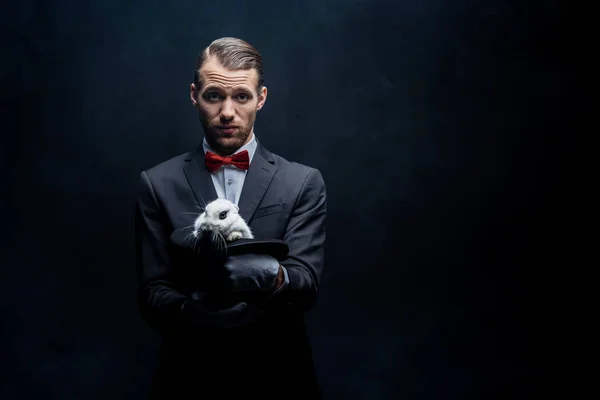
column 250, row 146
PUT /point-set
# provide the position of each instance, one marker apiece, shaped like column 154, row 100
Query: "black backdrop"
column 428, row 119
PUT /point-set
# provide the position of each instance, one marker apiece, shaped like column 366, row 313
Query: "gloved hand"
column 251, row 272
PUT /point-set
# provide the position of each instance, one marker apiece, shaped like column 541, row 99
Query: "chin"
column 229, row 143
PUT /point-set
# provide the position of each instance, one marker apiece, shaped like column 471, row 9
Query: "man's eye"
column 243, row 97
column 212, row 96
column 223, row 215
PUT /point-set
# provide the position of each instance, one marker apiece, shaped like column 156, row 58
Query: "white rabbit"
column 221, row 218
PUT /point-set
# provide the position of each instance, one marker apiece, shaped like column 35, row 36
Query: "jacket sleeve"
column 158, row 299
column 305, row 236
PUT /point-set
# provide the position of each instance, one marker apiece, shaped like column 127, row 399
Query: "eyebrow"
column 218, row 88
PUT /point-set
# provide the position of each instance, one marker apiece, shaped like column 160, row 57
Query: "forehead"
column 213, row 73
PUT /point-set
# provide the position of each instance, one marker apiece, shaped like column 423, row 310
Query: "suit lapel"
column 199, row 178
column 258, row 178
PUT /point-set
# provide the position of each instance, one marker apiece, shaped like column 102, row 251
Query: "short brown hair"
column 234, row 54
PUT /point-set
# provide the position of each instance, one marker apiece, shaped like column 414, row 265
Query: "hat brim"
column 277, row 249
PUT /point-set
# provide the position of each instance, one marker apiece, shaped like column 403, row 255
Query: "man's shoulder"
column 288, row 164
column 296, row 169
column 168, row 166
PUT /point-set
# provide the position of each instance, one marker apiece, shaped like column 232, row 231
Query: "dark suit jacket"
column 270, row 356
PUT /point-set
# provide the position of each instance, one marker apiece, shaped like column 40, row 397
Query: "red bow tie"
column 214, row 161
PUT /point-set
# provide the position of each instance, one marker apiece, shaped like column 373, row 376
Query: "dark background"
column 430, row 121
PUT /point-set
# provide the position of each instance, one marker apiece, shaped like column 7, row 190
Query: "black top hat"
column 213, row 256
column 203, row 246
column 277, row 249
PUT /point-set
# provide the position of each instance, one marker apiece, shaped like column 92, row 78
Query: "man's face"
column 227, row 103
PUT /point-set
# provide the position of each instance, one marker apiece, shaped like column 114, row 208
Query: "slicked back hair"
column 234, row 54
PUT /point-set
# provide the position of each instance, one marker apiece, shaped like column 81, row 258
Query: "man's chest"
column 266, row 216
column 228, row 183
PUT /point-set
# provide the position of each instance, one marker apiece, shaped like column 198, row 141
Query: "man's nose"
column 227, row 111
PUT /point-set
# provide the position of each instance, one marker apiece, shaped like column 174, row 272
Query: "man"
column 245, row 349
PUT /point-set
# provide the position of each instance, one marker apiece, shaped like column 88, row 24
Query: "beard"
column 226, row 144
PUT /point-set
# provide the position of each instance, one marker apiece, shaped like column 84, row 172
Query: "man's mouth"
column 227, row 128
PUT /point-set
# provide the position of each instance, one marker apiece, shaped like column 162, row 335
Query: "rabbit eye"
column 223, row 215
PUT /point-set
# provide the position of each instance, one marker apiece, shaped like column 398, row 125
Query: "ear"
column 262, row 98
column 194, row 94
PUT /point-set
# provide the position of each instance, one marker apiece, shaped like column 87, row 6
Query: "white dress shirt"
column 229, row 179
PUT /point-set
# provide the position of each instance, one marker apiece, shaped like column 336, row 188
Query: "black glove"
column 250, row 272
